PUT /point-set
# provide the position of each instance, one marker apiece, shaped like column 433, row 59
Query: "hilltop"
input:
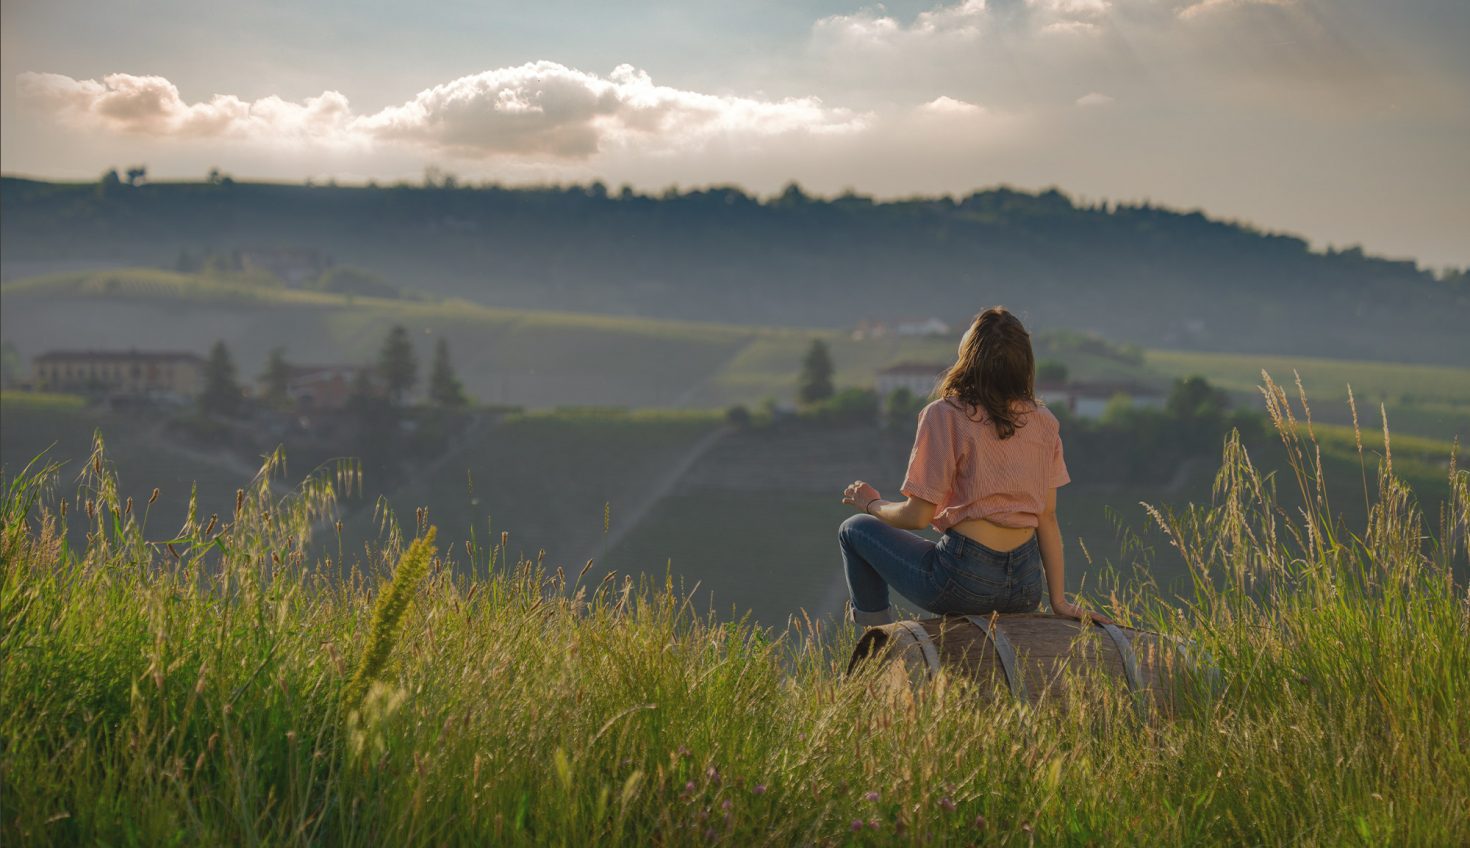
column 1149, row 275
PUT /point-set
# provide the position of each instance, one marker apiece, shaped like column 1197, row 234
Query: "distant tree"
column 738, row 416
column 221, row 395
column 1194, row 399
column 849, row 406
column 10, row 363
column 137, row 175
column 276, row 378
column 792, row 195
column 109, row 183
column 1050, row 372
column 1119, row 407
column 900, row 408
column 397, row 364
column 815, row 382
column 445, row 390
column 188, row 263
column 363, row 390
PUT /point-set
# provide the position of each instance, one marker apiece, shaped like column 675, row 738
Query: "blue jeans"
column 956, row 576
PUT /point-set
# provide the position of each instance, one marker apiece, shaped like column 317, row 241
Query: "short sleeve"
column 934, row 458
column 1057, row 475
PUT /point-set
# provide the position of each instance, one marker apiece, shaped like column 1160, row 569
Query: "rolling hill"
column 1138, row 273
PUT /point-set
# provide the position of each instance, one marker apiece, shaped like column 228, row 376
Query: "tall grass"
column 191, row 689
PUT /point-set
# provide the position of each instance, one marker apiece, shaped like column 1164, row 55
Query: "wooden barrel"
column 1031, row 656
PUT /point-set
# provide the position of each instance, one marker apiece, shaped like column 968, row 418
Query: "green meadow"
column 243, row 681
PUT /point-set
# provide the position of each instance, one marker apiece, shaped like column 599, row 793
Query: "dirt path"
column 628, row 518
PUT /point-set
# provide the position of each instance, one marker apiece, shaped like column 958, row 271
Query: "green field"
column 1426, row 400
column 547, row 359
column 222, row 692
column 557, row 481
column 62, row 428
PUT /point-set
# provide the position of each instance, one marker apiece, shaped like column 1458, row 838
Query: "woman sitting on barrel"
column 984, row 471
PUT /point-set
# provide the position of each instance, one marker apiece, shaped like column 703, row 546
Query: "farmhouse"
column 1081, row 399
column 321, row 387
column 919, row 378
column 138, row 373
column 1089, row 399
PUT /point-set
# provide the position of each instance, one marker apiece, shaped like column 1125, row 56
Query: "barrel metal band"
column 1005, row 651
column 931, row 654
column 1130, row 668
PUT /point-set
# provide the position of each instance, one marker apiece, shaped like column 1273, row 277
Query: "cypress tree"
column 221, row 395
column 276, row 378
column 397, row 364
column 815, row 382
column 444, row 387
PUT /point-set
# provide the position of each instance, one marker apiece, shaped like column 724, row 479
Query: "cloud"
column 1094, row 98
column 945, row 105
column 1022, row 55
column 151, row 106
column 540, row 109
column 1196, row 8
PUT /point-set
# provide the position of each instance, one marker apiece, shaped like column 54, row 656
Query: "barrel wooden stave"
column 1050, row 651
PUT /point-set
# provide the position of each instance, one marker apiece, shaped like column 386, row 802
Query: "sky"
column 1344, row 121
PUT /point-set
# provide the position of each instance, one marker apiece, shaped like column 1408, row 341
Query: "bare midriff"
column 993, row 535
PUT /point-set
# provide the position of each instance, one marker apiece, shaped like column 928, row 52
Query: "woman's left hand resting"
column 859, row 495
column 1071, row 610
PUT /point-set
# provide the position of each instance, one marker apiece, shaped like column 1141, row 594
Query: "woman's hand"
column 859, row 495
column 1068, row 609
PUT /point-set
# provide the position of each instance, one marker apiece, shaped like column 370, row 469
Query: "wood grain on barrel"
column 1052, row 653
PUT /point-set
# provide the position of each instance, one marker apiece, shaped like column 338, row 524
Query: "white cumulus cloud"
column 151, row 106
column 540, row 109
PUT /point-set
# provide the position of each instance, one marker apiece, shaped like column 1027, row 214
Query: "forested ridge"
column 1138, row 272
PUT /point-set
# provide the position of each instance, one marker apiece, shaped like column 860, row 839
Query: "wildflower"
column 947, row 804
column 857, row 825
column 726, row 804
column 979, row 822
column 712, row 774
column 760, row 789
column 871, row 796
column 874, row 824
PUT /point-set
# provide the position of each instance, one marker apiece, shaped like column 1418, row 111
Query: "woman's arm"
column 910, row 514
column 1049, row 536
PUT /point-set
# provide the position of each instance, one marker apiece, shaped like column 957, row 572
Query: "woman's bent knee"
column 855, row 523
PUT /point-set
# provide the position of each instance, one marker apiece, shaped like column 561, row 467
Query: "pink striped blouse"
column 966, row 470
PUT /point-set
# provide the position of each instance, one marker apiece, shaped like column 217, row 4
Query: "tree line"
column 390, row 379
column 1135, row 271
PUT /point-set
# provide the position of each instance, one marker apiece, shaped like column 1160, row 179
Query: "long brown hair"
column 995, row 369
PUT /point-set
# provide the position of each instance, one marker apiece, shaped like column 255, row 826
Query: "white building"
column 919, row 378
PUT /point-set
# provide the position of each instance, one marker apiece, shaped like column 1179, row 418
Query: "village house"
column 919, row 378
column 133, row 373
column 1080, row 398
column 927, row 327
column 296, row 267
column 1090, row 399
column 320, row 387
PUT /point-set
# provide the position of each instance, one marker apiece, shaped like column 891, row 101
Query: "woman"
column 984, row 471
